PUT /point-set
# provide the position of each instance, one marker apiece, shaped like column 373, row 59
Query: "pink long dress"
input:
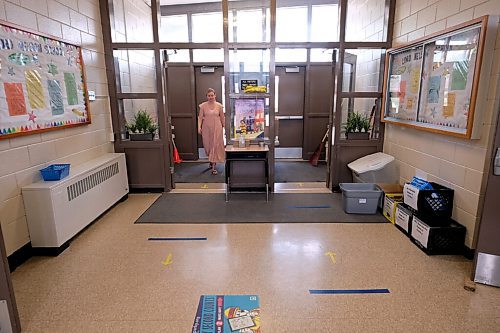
column 211, row 118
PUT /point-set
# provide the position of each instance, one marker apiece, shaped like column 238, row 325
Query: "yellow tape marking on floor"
column 167, row 261
column 204, row 186
column 332, row 256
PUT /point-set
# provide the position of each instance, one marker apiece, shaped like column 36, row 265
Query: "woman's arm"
column 222, row 116
column 200, row 119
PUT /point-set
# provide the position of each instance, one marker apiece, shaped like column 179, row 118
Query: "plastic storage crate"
column 437, row 202
column 55, row 172
column 403, row 218
column 360, row 198
column 447, row 237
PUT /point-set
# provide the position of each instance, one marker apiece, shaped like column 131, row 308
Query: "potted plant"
column 357, row 126
column 142, row 127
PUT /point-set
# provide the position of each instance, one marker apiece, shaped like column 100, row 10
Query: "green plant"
column 142, row 123
column 357, row 122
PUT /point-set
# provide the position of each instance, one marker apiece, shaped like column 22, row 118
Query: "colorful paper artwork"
column 415, row 80
column 449, row 106
column 249, row 118
column 56, row 98
column 71, row 91
column 35, row 89
column 15, row 99
column 433, row 94
column 43, row 83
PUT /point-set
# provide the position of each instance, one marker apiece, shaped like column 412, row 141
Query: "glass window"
column 363, row 106
column 321, row 55
column 129, row 107
column 291, row 55
column 362, row 70
column 365, row 21
column 131, row 21
column 208, row 55
column 177, row 55
column 291, row 24
column 137, row 71
column 207, row 28
column 325, row 23
column 174, row 28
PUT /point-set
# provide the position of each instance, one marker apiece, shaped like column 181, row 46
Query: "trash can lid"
column 370, row 162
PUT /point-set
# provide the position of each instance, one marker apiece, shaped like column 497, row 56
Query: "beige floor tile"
column 112, row 279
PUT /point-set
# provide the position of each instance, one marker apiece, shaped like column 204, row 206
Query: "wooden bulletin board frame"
column 42, row 83
column 432, row 83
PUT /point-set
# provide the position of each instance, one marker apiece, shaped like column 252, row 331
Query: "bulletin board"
column 432, row 84
column 42, row 83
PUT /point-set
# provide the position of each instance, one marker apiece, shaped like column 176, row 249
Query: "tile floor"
column 111, row 279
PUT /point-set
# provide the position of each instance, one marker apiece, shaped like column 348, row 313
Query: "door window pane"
column 131, row 21
column 291, row 24
column 207, row 28
column 248, row 25
column 174, row 28
column 362, row 70
column 365, row 21
column 137, row 71
column 363, row 106
column 129, row 107
column 325, row 23
column 177, row 55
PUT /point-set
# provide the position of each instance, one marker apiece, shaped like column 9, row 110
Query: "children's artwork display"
column 432, row 84
column 42, row 83
column 249, row 119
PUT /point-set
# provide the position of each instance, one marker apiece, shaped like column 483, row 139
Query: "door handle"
column 496, row 165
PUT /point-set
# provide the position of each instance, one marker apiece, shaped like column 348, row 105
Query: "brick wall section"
column 458, row 163
column 79, row 22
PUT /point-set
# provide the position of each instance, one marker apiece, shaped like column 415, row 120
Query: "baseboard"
column 469, row 253
column 20, row 256
column 50, row 251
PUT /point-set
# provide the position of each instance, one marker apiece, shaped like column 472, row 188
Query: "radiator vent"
column 91, row 181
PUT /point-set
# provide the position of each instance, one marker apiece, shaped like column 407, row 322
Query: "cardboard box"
column 388, row 188
column 390, row 203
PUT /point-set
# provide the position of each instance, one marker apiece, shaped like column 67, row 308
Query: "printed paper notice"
column 394, row 83
column 35, row 89
column 459, row 75
column 449, row 108
column 15, row 99
column 420, row 231
column 415, row 79
column 410, row 195
column 71, row 92
column 402, row 218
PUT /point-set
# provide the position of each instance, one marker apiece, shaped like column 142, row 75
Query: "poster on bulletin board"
column 42, row 83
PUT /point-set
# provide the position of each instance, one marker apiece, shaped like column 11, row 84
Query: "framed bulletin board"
column 432, row 84
column 42, row 83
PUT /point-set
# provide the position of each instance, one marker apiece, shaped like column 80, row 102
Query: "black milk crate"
column 438, row 237
column 437, row 202
column 403, row 218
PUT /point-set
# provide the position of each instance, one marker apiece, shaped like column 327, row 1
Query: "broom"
column 177, row 157
column 315, row 156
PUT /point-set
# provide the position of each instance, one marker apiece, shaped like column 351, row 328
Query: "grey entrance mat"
column 197, row 172
column 252, row 208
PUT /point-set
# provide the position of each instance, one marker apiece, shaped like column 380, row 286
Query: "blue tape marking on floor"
column 350, row 291
column 325, row 206
column 175, row 238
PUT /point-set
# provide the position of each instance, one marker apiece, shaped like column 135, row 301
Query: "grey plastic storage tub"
column 360, row 198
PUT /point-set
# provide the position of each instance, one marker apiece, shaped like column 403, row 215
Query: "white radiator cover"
column 57, row 210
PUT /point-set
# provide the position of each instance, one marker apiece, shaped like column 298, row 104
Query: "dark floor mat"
column 252, row 208
column 198, row 172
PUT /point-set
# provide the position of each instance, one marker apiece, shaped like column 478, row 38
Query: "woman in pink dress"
column 210, row 124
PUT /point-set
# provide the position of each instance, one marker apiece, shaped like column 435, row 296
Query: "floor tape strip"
column 176, row 238
column 349, row 291
column 325, row 206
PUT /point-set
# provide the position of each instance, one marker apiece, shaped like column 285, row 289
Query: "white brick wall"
column 457, row 163
column 79, row 22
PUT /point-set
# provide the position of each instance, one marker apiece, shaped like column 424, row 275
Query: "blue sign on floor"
column 227, row 314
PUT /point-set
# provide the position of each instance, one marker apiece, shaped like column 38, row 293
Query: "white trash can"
column 374, row 168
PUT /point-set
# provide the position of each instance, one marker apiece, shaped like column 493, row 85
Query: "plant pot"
column 357, row 135
column 141, row 136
